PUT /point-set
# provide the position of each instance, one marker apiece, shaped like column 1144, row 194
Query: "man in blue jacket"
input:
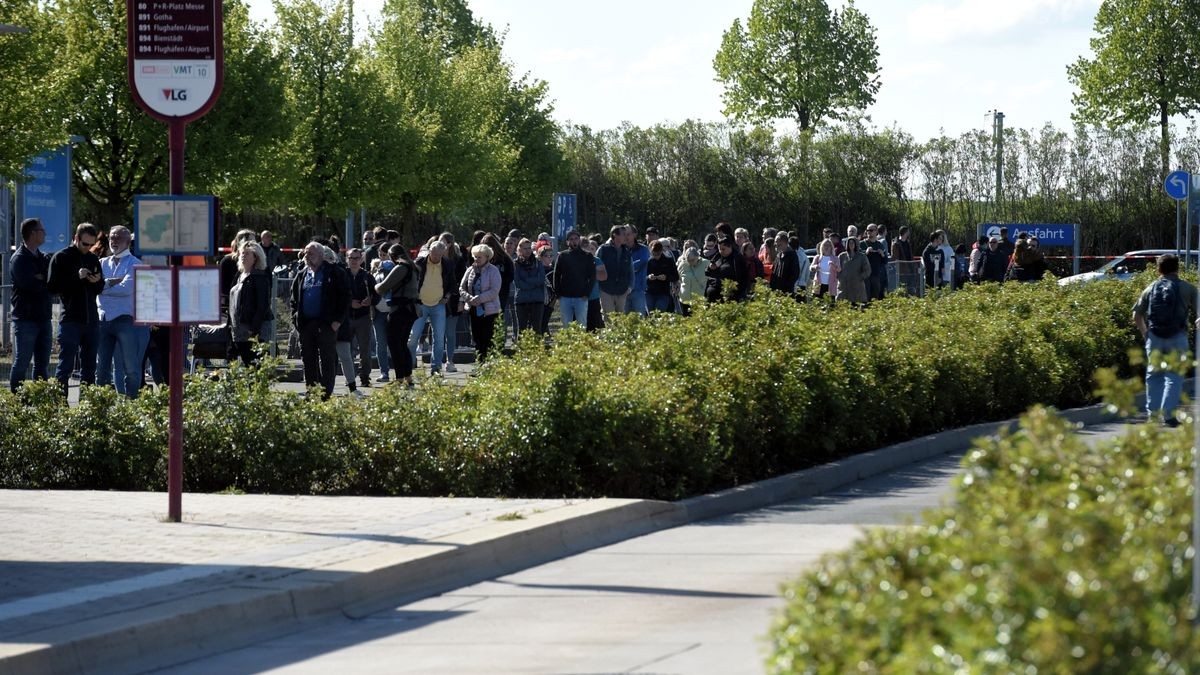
column 639, row 256
column 30, row 305
column 615, row 255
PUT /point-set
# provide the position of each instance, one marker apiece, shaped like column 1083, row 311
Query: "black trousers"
column 399, row 326
column 595, row 318
column 482, row 328
column 318, row 351
column 529, row 316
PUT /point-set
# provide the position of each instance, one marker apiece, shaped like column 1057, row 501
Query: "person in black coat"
column 29, row 269
column 76, row 278
column 787, row 266
column 249, row 301
column 935, row 261
column 661, row 273
column 728, row 265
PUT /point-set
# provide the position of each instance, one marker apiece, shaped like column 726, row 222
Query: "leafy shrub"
column 657, row 408
column 1056, row 558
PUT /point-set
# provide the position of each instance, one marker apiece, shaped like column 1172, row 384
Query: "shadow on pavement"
column 639, row 590
column 872, row 501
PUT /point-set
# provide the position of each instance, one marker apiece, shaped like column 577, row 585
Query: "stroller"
column 210, row 342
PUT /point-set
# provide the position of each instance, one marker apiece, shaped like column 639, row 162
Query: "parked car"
column 1123, row 267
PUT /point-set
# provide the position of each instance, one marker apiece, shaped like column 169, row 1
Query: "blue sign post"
column 47, row 195
column 1176, row 185
column 563, row 214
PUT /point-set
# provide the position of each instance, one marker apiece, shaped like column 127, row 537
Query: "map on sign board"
column 173, row 225
column 152, row 295
column 199, row 295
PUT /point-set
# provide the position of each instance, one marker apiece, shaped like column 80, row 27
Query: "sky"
column 945, row 65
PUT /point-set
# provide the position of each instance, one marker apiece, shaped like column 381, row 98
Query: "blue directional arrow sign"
column 1176, row 185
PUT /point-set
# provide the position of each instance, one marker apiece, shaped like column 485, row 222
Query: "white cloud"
column 973, row 19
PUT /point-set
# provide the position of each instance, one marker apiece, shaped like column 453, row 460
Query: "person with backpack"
column 1161, row 316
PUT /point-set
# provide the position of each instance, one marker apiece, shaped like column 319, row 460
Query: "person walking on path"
column 1161, row 316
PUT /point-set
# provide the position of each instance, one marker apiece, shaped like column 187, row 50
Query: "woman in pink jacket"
column 479, row 294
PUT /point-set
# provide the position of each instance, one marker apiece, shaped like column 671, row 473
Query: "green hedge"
column 659, row 408
column 1055, row 558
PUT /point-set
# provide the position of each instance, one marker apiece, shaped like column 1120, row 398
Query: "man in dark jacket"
column 995, row 262
column 876, row 255
column 30, row 305
column 320, row 298
column 573, row 277
column 729, row 265
column 618, row 261
column 76, row 278
column 787, row 266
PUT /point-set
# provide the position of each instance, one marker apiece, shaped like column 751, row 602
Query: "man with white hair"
column 119, row 338
column 320, row 297
column 436, row 284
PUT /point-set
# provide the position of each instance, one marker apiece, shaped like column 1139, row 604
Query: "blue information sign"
column 563, row 209
column 47, row 195
column 1176, row 185
column 1048, row 234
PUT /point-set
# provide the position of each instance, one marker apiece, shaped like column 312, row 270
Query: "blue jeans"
column 381, row 343
column 573, row 310
column 637, row 302
column 77, row 339
column 656, row 302
column 31, row 342
column 121, row 338
column 435, row 315
column 1163, row 387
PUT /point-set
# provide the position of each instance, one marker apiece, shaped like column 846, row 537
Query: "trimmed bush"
column 1055, row 558
column 658, row 408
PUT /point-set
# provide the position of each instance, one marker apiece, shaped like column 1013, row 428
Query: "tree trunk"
column 1164, row 147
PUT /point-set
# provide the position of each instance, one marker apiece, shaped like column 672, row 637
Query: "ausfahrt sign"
column 175, row 56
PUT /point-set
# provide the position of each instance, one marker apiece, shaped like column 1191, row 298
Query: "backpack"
column 411, row 290
column 1167, row 313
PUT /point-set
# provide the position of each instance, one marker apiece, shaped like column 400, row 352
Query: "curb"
column 254, row 609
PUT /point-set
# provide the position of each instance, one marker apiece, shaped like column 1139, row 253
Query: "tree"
column 797, row 59
column 1144, row 69
column 30, row 86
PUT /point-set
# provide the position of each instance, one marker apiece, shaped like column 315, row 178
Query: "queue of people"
column 378, row 301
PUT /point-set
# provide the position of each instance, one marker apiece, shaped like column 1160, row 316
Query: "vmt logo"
column 183, row 70
column 175, row 94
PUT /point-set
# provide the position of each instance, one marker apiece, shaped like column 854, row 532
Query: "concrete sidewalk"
column 96, row 581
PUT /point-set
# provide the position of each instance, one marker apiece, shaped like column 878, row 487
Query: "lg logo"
column 175, row 94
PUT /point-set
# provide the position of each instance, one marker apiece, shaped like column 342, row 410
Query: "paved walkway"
column 98, row 582
column 696, row 599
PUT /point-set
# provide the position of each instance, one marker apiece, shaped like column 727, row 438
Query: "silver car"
column 1124, row 267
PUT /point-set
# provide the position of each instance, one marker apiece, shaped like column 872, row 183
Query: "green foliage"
column 796, row 59
column 658, row 408
column 29, row 119
column 1143, row 67
column 1056, row 558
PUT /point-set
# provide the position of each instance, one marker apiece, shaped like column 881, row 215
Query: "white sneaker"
column 383, row 378
column 450, row 368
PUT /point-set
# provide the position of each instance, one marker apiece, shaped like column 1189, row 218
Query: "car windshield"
column 1131, row 264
